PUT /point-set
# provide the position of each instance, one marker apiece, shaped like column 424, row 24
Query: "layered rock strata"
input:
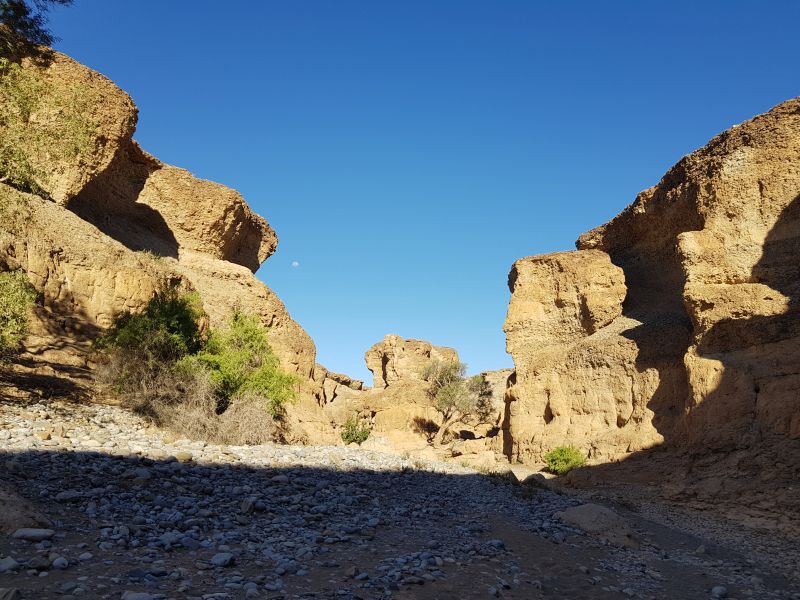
column 677, row 322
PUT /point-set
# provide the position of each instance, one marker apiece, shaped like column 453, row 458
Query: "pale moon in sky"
column 295, row 264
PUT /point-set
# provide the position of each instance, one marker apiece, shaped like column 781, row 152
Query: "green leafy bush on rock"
column 240, row 361
column 355, row 431
column 563, row 459
column 17, row 297
column 226, row 386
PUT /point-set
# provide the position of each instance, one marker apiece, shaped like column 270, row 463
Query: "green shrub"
column 240, row 360
column 156, row 338
column 355, row 430
column 228, row 388
column 563, row 459
column 17, row 297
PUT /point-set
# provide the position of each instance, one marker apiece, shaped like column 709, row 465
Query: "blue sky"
column 408, row 152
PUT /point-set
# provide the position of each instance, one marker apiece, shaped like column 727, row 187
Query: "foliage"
column 17, row 296
column 23, row 92
column 240, row 360
column 223, row 388
column 355, row 430
column 24, row 24
column 141, row 345
column 457, row 397
column 563, row 459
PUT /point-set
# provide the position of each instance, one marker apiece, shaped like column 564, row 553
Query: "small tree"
column 457, row 397
column 24, row 23
column 17, row 297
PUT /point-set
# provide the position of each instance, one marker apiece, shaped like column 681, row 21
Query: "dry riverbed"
column 131, row 514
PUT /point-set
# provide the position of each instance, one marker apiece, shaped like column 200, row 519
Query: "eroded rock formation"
column 676, row 322
column 123, row 225
column 395, row 359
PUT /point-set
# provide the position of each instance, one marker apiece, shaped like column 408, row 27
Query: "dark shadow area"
column 300, row 528
column 54, row 363
column 505, row 423
column 154, row 525
column 109, row 202
column 425, row 427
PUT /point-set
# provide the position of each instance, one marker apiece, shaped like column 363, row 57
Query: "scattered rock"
column 34, row 535
column 601, row 522
column 223, row 559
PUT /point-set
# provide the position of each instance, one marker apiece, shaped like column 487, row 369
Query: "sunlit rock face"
column 677, row 322
column 107, row 225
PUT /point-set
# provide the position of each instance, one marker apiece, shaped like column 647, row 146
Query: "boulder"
column 147, row 205
column 16, row 513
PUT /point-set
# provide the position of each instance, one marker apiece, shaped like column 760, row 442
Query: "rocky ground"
column 134, row 514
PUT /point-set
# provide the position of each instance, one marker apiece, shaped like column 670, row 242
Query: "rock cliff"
column 107, row 224
column 676, row 323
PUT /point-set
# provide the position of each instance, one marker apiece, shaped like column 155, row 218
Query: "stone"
column 184, row 456
column 601, row 522
column 16, row 512
column 719, row 591
column 223, row 559
column 33, row 535
column 8, row 564
column 137, row 596
column 60, row 563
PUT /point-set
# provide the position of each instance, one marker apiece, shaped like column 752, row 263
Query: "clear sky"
column 407, row 152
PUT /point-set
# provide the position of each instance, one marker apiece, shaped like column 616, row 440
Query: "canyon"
column 666, row 347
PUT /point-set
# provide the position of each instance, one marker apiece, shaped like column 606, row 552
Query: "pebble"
column 719, row 591
column 33, row 535
column 8, row 564
column 223, row 559
column 137, row 596
column 172, row 518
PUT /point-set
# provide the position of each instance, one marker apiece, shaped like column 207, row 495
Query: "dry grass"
column 184, row 402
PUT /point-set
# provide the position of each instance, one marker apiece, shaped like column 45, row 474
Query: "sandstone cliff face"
column 677, row 322
column 62, row 125
column 113, row 201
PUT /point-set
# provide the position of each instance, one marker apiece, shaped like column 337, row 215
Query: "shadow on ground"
column 334, row 530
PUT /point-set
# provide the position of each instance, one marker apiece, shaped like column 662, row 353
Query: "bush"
column 355, row 430
column 240, row 361
column 138, row 347
column 226, row 389
column 17, row 297
column 455, row 396
column 563, row 459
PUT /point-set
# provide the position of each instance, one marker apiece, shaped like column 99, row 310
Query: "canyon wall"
column 99, row 225
column 676, row 323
